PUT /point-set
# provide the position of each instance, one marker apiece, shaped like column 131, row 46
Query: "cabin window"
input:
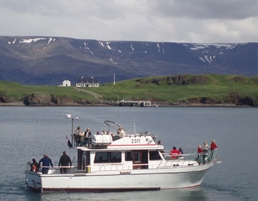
column 129, row 156
column 115, row 157
column 107, row 157
column 137, row 157
column 154, row 155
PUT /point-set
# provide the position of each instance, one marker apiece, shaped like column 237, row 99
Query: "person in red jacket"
column 199, row 150
column 213, row 147
column 174, row 152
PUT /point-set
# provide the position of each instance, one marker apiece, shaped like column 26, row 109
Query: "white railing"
column 168, row 161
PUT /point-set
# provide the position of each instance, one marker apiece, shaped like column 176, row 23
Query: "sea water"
column 29, row 132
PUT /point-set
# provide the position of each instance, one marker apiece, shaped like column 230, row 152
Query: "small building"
column 87, row 82
column 66, row 83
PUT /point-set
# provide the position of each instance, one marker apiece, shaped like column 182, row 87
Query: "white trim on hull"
column 115, row 181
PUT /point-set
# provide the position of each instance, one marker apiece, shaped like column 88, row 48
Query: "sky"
column 193, row 21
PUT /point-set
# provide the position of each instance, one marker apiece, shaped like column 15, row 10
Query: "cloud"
column 206, row 9
column 200, row 21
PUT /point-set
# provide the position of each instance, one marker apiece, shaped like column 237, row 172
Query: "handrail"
column 57, row 167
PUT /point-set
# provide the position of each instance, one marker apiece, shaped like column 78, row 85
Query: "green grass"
column 11, row 89
column 215, row 87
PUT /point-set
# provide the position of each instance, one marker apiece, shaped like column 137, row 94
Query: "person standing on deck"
column 213, row 147
column 45, row 162
column 87, row 137
column 36, row 164
column 64, row 161
column 121, row 132
column 205, row 151
column 199, row 151
column 76, row 135
column 181, row 152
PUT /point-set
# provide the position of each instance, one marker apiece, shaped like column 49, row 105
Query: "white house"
column 87, row 82
column 66, row 83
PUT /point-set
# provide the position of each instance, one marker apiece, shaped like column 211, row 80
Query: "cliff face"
column 5, row 99
column 50, row 60
column 43, row 99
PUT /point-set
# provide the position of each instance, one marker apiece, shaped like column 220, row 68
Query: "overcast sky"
column 196, row 21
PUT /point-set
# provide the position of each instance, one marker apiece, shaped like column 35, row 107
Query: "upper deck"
column 129, row 142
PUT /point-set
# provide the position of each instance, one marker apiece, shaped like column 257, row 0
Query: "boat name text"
column 135, row 140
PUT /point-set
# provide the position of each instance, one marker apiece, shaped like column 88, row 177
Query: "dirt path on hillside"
column 95, row 95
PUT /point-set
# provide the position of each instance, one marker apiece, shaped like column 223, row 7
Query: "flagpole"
column 69, row 116
column 72, row 133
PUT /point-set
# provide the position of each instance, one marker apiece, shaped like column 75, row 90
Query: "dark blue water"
column 29, row 132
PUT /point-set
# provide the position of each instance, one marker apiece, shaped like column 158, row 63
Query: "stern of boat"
column 33, row 181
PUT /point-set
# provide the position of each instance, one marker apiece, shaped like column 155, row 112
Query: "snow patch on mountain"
column 108, row 46
column 32, row 40
column 87, row 48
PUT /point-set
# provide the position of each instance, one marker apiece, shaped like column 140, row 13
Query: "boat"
column 132, row 163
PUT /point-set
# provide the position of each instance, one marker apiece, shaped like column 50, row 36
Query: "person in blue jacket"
column 45, row 162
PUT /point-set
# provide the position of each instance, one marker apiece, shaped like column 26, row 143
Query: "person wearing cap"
column 45, row 162
column 64, row 161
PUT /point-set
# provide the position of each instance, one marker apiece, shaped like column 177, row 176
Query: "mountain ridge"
column 49, row 60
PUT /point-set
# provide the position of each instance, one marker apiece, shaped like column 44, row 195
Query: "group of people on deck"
column 83, row 138
column 203, row 152
column 44, row 163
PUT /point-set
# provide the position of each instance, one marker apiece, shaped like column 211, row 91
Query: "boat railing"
column 54, row 169
column 116, row 166
column 57, row 169
column 191, row 158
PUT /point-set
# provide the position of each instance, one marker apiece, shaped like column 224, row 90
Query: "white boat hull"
column 153, row 179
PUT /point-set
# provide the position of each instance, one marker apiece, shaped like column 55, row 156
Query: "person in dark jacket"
column 36, row 165
column 45, row 162
column 64, row 161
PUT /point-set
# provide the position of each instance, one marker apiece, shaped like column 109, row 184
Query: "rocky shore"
column 21, row 104
column 41, row 99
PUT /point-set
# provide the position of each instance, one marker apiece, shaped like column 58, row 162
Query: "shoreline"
column 21, row 104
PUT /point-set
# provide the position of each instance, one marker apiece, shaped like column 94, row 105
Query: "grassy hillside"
column 167, row 89
column 12, row 89
column 189, row 87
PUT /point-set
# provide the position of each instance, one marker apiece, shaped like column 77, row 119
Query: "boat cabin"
column 135, row 151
